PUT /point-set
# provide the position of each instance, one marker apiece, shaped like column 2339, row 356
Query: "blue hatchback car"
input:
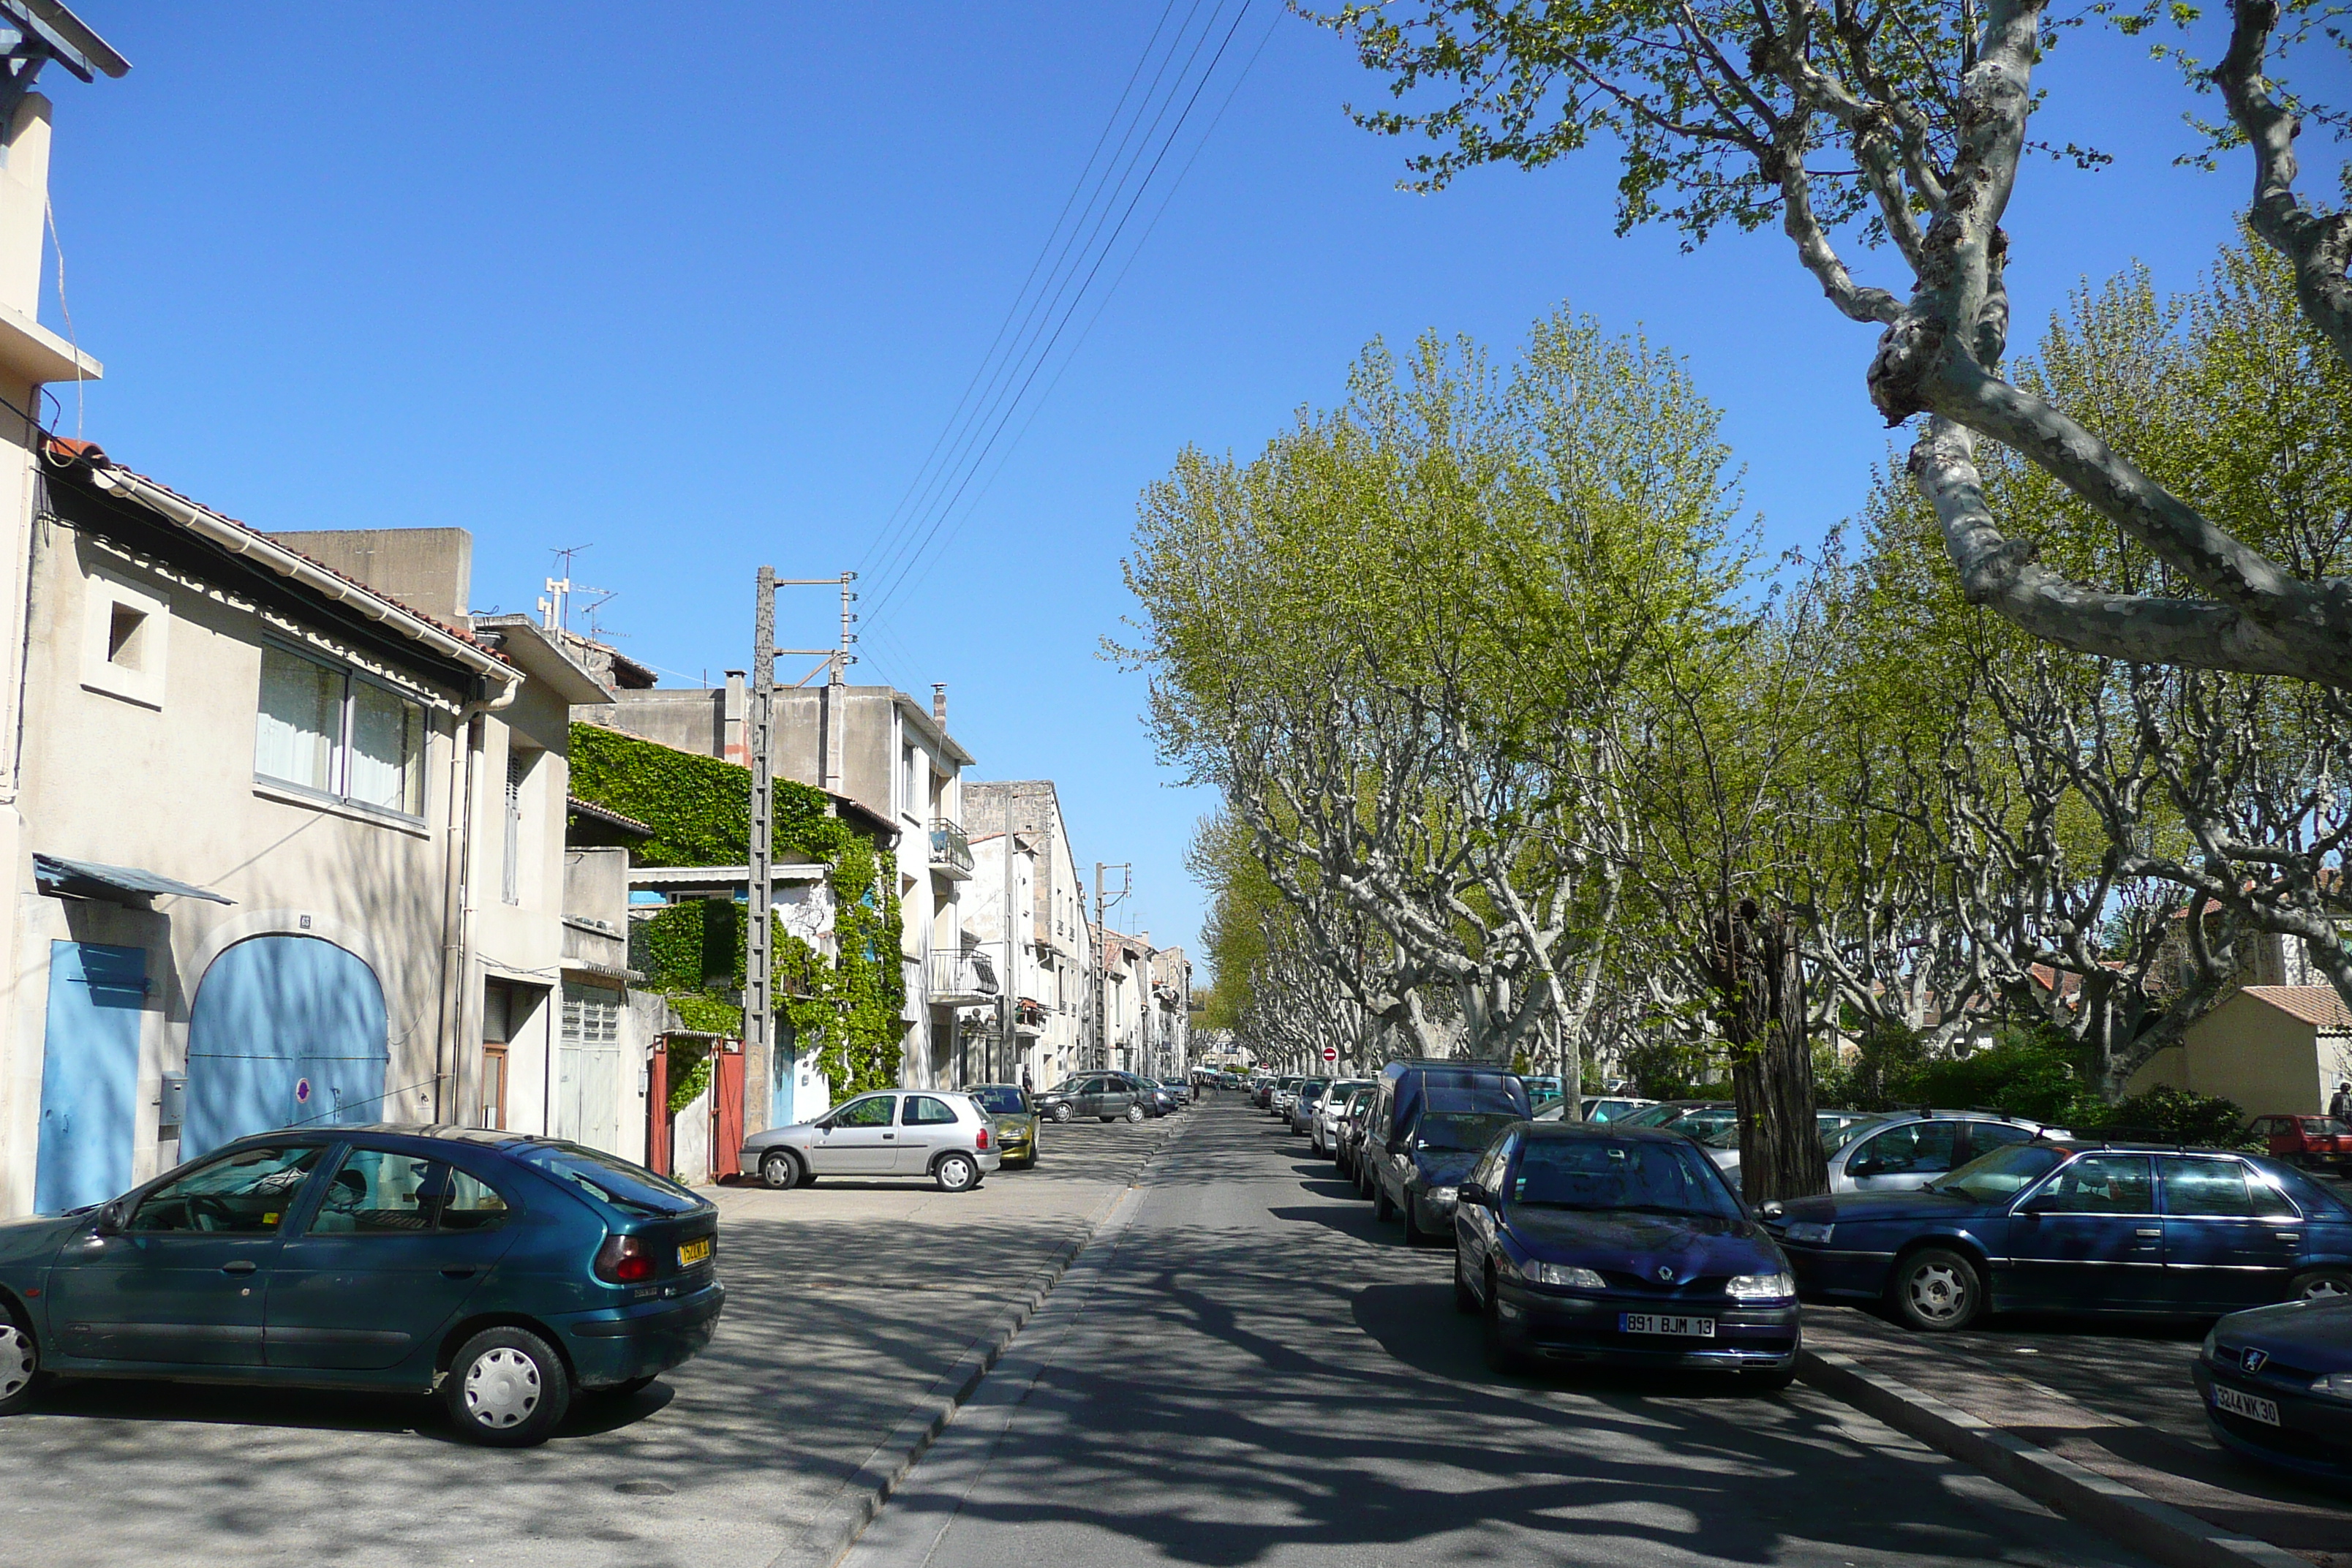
column 2068, row 1226
column 1595, row 1242
column 503, row 1269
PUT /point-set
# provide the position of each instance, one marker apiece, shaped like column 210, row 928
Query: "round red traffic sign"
column 1330, row 1053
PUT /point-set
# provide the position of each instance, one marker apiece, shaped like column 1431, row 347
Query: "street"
column 1245, row 1368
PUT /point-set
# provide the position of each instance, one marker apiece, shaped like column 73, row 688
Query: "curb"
column 2123, row 1514
column 827, row 1541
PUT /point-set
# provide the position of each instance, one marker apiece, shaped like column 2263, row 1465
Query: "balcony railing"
column 961, row 974
column 950, row 850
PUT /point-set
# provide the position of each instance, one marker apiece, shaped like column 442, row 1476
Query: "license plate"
column 693, row 1252
column 1658, row 1323
column 2246, row 1405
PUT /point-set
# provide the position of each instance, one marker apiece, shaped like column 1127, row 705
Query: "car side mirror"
column 1472, row 1192
column 110, row 1220
column 1772, row 1209
column 1866, row 1168
column 2037, row 1205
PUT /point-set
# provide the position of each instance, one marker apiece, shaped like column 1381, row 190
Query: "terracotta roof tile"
column 2315, row 1005
column 92, row 453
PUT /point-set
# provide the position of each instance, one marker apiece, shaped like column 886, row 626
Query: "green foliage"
column 699, row 809
column 2023, row 1073
column 2167, row 1115
column 689, row 1071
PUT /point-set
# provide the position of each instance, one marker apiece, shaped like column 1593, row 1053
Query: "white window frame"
column 338, row 767
column 102, row 593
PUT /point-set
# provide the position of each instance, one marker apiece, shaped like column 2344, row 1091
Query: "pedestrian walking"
column 2340, row 1106
column 1027, row 1086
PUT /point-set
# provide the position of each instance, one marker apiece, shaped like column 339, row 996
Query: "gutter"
column 244, row 542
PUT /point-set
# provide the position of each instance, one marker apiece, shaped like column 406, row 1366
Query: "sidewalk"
column 855, row 1310
column 2117, row 1404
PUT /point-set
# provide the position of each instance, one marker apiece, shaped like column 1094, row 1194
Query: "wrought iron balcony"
column 950, row 850
column 960, row 978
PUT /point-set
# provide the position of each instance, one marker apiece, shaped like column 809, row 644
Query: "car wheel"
column 779, row 1168
column 956, row 1174
column 507, row 1388
column 1501, row 1355
column 1937, row 1289
column 1135, row 1113
column 20, row 1368
column 2312, row 1285
column 1466, row 1301
column 1382, row 1208
column 1064, row 1112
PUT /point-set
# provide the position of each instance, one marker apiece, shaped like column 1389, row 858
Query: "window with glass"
column 922, row 1110
column 2102, row 1184
column 247, row 1194
column 378, row 1192
column 1908, row 1150
column 330, row 730
column 872, row 1111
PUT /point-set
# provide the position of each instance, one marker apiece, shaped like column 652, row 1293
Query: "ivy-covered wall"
column 700, row 811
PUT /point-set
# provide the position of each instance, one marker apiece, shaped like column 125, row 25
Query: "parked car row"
column 1111, row 1096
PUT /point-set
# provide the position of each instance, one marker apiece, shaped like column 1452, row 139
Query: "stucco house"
column 2273, row 1049
column 292, row 847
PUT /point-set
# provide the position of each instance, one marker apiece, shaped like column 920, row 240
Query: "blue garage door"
column 286, row 1030
column 90, row 1074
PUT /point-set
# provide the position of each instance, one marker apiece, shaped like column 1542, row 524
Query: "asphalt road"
column 1245, row 1368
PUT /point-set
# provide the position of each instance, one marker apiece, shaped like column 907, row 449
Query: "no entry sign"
column 1330, row 1053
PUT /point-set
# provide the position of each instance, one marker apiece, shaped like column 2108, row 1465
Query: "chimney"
column 940, row 703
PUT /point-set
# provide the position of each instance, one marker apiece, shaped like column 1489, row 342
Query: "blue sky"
column 704, row 296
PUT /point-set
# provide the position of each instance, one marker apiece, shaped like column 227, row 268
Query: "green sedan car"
column 1015, row 1119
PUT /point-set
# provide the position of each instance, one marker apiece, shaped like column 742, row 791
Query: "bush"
column 2026, row 1073
column 2165, row 1115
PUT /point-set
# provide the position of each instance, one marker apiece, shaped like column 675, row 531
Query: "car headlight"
column 1568, row 1277
column 1444, row 1194
column 1810, row 1233
column 2213, row 1338
column 2335, row 1385
column 1760, row 1287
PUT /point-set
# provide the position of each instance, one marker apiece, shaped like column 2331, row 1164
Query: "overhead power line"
column 1103, row 202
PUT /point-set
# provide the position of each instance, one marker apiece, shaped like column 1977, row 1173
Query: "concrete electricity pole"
column 1102, row 954
column 759, row 935
column 1009, row 1003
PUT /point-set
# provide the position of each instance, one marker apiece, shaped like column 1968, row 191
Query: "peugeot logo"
column 1664, row 1273
column 2254, row 1361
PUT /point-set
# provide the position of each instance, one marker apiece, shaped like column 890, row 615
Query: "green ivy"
column 700, row 811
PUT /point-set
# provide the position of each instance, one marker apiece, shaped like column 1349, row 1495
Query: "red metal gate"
column 727, row 1110
column 658, row 1108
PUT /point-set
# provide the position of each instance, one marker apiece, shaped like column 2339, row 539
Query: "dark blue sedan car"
column 2068, row 1226
column 2277, row 1385
column 505, row 1270
column 1595, row 1242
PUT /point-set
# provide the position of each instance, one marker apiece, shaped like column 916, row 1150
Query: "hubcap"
column 779, row 1171
column 501, row 1387
column 2325, row 1288
column 1938, row 1293
column 956, row 1172
column 17, row 1361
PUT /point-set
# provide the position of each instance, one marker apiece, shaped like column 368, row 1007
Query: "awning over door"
column 90, row 880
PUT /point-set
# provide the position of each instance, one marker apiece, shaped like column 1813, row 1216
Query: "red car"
column 2306, row 1141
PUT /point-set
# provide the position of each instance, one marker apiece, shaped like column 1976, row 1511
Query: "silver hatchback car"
column 944, row 1137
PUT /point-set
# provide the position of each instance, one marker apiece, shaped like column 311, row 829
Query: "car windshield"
column 1459, row 1129
column 610, row 1178
column 1994, row 1176
column 1602, row 1173
column 1648, row 1116
column 1001, row 1100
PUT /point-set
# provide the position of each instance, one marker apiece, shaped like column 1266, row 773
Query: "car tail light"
column 624, row 1260
column 983, row 1139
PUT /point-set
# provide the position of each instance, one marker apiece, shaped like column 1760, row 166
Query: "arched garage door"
column 286, row 1029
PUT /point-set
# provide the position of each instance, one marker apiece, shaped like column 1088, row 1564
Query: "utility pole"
column 759, row 937
column 1008, row 1005
column 760, row 934
column 1102, row 954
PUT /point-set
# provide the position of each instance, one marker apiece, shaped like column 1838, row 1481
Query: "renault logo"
column 2254, row 1361
column 1664, row 1273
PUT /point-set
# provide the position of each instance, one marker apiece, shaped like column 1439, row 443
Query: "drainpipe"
column 458, row 907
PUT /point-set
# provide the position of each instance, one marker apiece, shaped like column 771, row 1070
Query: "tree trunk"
column 1756, row 965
